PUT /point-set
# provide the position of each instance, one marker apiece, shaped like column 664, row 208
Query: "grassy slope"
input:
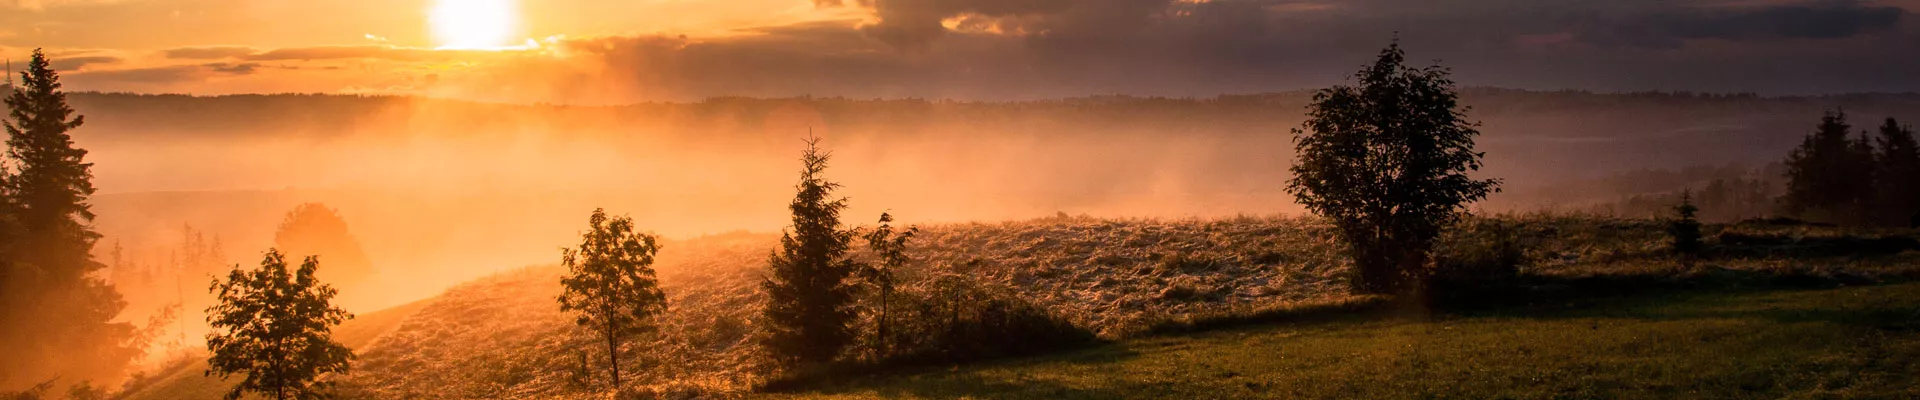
column 503, row 336
column 1859, row 342
column 192, row 382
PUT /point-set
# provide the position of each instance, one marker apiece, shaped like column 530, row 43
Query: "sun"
column 473, row 24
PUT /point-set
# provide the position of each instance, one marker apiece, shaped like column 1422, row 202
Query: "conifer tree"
column 610, row 284
column 809, row 306
column 1685, row 229
column 55, row 315
column 1830, row 175
column 1898, row 161
column 275, row 326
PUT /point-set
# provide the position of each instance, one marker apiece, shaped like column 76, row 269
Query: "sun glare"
column 473, row 24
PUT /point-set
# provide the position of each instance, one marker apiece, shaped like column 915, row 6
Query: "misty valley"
column 959, row 199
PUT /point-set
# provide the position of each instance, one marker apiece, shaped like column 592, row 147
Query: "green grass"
column 1858, row 342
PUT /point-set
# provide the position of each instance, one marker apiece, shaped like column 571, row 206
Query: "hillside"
column 503, row 336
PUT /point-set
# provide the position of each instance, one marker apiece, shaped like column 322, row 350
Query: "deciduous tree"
column 610, row 284
column 275, row 326
column 1387, row 161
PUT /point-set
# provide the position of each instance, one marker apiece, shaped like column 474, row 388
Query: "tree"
column 610, row 285
column 1898, row 161
column 809, row 297
column 1685, row 229
column 313, row 229
column 1829, row 176
column 56, row 315
column 275, row 326
column 1386, row 161
column 891, row 247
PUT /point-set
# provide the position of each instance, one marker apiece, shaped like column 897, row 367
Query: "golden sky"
column 617, row 51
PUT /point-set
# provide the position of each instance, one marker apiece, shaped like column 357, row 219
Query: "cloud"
column 1670, row 28
column 235, row 69
column 1013, row 49
column 208, row 53
column 75, row 63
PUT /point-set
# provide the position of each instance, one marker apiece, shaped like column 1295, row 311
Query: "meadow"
column 1254, row 306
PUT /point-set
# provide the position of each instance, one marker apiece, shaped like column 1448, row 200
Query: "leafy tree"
column 610, row 284
column 1899, row 174
column 809, row 297
column 1387, row 162
column 313, row 229
column 1829, row 176
column 891, row 247
column 56, row 316
column 1685, row 229
column 275, row 326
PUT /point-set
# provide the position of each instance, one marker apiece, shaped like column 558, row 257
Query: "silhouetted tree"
column 1386, row 161
column 891, row 247
column 275, row 326
column 610, row 286
column 1830, row 175
column 55, row 314
column 809, row 296
column 1684, row 228
column 313, row 229
column 1899, row 174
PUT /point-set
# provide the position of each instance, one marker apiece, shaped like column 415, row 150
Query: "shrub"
column 1477, row 261
column 952, row 318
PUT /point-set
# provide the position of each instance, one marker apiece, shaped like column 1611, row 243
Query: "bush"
column 1480, row 260
column 952, row 318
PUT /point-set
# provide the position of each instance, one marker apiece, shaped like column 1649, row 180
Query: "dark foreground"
column 1852, row 342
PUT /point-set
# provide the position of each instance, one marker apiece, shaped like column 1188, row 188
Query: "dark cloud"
column 234, row 68
column 1668, row 29
column 208, row 53
column 75, row 63
column 152, row 75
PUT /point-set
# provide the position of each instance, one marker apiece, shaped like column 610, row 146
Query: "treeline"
column 1873, row 179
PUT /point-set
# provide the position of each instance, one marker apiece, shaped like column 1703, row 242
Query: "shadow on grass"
column 906, row 381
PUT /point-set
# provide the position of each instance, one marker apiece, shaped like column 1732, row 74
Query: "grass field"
column 1854, row 342
column 1602, row 309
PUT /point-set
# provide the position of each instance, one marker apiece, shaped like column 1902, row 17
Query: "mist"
column 439, row 192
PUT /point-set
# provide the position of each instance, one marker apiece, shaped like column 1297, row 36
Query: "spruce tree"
column 1830, row 175
column 809, row 306
column 1898, row 162
column 55, row 315
column 275, row 326
column 610, row 285
column 1685, row 229
column 1387, row 161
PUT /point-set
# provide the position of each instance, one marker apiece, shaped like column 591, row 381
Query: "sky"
column 624, row 51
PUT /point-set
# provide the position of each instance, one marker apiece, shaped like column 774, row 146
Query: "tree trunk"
column 885, row 349
column 613, row 354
